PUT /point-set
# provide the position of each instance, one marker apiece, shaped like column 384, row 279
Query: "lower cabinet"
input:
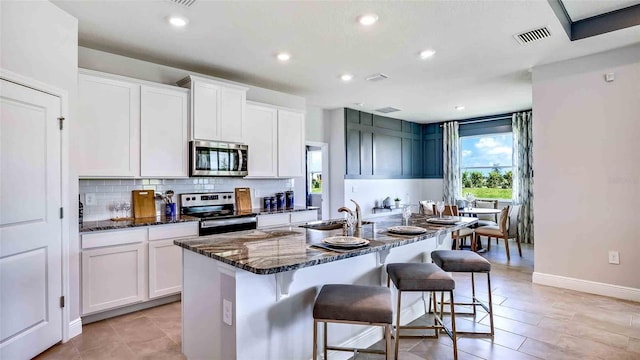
column 284, row 219
column 123, row 267
column 165, row 268
column 113, row 276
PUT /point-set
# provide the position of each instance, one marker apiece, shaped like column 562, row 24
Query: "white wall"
column 139, row 69
column 40, row 41
column 587, row 178
column 315, row 124
column 334, row 133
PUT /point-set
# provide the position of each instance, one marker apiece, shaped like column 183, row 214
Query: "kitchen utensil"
column 169, row 194
column 144, row 204
column 243, row 199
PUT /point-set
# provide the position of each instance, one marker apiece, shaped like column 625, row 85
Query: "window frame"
column 462, row 169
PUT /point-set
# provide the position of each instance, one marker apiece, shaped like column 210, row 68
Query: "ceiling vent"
column 532, row 35
column 377, row 77
column 185, row 3
column 387, row 110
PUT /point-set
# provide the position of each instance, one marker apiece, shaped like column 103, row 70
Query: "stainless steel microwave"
column 207, row 158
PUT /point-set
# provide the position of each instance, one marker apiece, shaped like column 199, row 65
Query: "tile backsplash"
column 106, row 191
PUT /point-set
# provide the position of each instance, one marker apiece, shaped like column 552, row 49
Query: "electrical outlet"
column 227, row 311
column 90, row 199
column 614, row 257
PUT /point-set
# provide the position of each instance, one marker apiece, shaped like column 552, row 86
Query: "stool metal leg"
column 454, row 337
column 315, row 339
column 473, row 292
column 490, row 303
column 398, row 325
column 324, row 345
column 387, row 347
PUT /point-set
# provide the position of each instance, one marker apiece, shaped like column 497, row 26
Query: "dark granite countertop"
column 289, row 247
column 103, row 225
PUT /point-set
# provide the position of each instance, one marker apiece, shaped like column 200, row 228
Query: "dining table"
column 474, row 212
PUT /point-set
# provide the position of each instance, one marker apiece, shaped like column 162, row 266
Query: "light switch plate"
column 614, row 257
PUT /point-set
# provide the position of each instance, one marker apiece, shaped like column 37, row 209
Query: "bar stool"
column 353, row 304
column 467, row 262
column 423, row 277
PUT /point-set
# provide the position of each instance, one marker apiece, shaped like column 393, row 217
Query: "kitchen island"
column 249, row 294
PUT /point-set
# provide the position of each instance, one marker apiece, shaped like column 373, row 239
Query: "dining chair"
column 460, row 235
column 489, row 219
column 508, row 229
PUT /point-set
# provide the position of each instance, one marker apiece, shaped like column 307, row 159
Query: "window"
column 486, row 165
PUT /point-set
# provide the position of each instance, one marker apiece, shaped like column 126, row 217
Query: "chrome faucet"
column 358, row 214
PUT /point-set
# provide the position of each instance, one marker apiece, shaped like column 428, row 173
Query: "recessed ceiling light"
column 368, row 19
column 283, row 56
column 425, row 54
column 346, row 77
column 459, row 107
column 178, row 21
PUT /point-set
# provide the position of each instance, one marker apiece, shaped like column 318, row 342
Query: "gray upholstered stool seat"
column 467, row 262
column 422, row 277
column 460, row 261
column 354, row 304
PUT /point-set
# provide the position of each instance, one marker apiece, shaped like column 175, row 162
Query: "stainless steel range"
column 216, row 212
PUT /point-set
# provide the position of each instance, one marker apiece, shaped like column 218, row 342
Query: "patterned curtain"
column 452, row 187
column 523, row 172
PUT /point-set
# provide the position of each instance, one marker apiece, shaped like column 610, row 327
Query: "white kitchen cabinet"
column 284, row 219
column 123, row 267
column 165, row 268
column 217, row 109
column 276, row 141
column 261, row 135
column 108, row 127
column 165, row 258
column 290, row 143
column 163, row 132
column 113, row 276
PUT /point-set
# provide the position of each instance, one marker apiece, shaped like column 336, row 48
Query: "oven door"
column 219, row 226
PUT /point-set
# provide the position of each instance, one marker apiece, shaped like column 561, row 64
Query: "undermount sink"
column 329, row 225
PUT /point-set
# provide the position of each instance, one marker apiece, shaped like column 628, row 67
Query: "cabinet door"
column 261, row 134
column 113, row 277
column 232, row 106
column 304, row 216
column 108, row 126
column 165, row 268
column 204, row 114
column 163, row 132
column 290, row 144
column 269, row 220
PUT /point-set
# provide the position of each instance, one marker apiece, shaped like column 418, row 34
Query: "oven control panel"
column 206, row 199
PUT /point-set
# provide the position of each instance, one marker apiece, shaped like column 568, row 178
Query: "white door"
column 232, row 105
column 291, row 135
column 165, row 268
column 204, row 111
column 261, row 135
column 30, row 224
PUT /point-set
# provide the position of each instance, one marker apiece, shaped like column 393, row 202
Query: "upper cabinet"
column 108, row 128
column 163, row 132
column 275, row 137
column 131, row 128
column 217, row 109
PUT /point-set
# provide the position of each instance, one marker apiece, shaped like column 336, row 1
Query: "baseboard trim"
column 587, row 286
column 75, row 328
column 87, row 319
column 372, row 334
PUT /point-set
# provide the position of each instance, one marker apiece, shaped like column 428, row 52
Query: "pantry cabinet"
column 217, row 109
column 131, row 128
column 275, row 137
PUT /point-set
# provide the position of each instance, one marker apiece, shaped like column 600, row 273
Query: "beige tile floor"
column 532, row 322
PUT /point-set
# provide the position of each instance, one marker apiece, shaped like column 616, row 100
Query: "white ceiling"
column 582, row 9
column 478, row 63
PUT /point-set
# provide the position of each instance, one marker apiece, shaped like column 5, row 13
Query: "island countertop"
column 288, row 248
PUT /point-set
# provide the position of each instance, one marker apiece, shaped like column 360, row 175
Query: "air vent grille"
column 533, row 35
column 386, row 110
column 377, row 77
column 185, row 3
